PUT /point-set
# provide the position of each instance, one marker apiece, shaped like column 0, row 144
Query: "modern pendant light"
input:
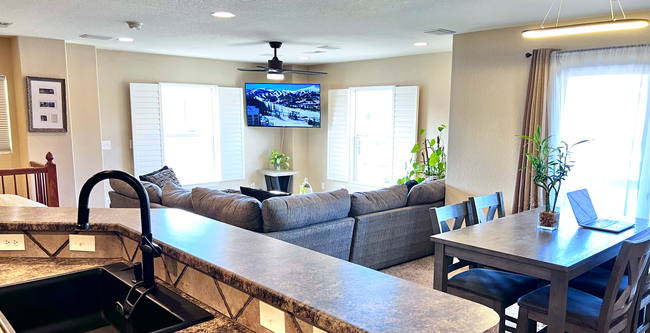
column 573, row 29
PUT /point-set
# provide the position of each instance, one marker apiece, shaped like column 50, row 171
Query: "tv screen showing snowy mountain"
column 283, row 104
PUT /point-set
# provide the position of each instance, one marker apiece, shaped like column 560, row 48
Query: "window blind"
column 5, row 128
column 338, row 135
column 405, row 128
column 146, row 128
column 231, row 123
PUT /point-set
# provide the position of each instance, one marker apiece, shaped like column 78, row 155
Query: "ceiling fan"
column 274, row 70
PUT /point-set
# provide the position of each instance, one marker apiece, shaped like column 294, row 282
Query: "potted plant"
column 433, row 164
column 551, row 166
column 279, row 161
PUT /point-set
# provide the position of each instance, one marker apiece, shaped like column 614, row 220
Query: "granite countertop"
column 332, row 293
column 14, row 270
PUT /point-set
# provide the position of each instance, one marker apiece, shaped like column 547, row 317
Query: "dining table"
column 515, row 244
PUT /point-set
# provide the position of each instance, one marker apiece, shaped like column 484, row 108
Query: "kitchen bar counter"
column 329, row 293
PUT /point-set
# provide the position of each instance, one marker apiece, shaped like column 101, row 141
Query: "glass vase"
column 548, row 220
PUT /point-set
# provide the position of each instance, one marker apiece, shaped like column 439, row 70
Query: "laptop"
column 586, row 216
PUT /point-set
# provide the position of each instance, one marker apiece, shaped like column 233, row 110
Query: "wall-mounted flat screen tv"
column 283, row 104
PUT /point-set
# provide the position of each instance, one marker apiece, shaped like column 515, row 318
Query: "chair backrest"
column 633, row 257
column 494, row 203
column 459, row 212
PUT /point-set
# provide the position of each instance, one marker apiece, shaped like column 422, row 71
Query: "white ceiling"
column 365, row 29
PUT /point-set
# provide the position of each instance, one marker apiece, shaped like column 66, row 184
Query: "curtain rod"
column 528, row 54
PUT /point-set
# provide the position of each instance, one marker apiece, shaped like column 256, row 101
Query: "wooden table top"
column 516, row 237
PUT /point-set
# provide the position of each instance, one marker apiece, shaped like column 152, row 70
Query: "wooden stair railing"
column 39, row 178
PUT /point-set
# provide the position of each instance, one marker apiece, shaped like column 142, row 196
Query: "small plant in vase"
column 279, row 161
column 551, row 166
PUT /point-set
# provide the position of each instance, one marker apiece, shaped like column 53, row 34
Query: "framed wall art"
column 46, row 103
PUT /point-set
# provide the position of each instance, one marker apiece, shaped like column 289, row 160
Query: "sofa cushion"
column 154, row 192
column 425, row 193
column 161, row 177
column 235, row 209
column 380, row 200
column 283, row 213
column 177, row 197
column 261, row 195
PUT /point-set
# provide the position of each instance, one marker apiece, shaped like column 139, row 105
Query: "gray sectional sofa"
column 376, row 229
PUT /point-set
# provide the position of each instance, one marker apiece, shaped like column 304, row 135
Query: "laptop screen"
column 582, row 207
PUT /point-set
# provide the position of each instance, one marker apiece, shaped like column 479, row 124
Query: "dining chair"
column 494, row 204
column 495, row 289
column 613, row 313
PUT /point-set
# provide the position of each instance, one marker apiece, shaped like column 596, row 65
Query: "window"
column 195, row 129
column 602, row 95
column 5, row 128
column 371, row 131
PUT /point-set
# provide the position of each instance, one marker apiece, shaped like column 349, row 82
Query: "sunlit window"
column 190, row 132
column 372, row 110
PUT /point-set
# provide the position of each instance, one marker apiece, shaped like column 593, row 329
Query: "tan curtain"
column 527, row 194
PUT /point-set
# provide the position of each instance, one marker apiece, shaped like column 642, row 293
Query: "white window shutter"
column 405, row 128
column 231, row 120
column 5, row 128
column 146, row 127
column 338, row 135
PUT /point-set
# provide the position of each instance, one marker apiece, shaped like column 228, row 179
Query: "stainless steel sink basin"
column 85, row 301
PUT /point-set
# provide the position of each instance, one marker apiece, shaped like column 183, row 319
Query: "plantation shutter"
column 146, row 128
column 405, row 128
column 5, row 129
column 231, row 120
column 338, row 135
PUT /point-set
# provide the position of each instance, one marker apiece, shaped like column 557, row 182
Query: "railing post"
column 51, row 181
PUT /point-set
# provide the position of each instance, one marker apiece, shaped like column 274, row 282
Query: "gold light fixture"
column 573, row 29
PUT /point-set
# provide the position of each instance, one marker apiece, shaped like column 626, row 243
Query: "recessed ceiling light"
column 303, row 58
column 421, row 44
column 125, row 39
column 223, row 14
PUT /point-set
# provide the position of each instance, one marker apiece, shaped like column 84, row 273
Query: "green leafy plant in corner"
column 279, row 161
column 550, row 165
column 430, row 159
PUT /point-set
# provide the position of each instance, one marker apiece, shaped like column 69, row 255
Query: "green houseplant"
column 550, row 165
column 279, row 161
column 430, row 159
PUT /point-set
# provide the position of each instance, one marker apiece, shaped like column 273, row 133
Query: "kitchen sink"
column 89, row 301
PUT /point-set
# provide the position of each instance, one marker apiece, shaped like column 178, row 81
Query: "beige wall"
column 44, row 58
column 11, row 160
column 488, row 89
column 83, row 95
column 117, row 69
column 431, row 72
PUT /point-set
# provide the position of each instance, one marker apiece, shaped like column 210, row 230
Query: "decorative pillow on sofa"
column 261, row 195
column 290, row 212
column 161, row 177
column 427, row 193
column 177, row 197
column 154, row 192
column 377, row 201
column 409, row 184
column 235, row 209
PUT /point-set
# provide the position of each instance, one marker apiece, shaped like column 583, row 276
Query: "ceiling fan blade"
column 262, row 67
column 294, row 71
column 251, row 69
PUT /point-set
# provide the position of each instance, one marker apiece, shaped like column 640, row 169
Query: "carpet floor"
column 420, row 271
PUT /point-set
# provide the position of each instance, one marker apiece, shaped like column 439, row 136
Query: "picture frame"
column 46, row 105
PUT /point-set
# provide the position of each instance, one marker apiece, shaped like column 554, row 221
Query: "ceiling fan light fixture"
column 222, row 14
column 420, row 44
column 586, row 28
column 303, row 58
column 275, row 76
column 125, row 39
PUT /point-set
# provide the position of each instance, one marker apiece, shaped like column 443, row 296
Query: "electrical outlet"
column 82, row 243
column 12, row 242
column 106, row 145
column 322, row 186
column 271, row 318
column 318, row 330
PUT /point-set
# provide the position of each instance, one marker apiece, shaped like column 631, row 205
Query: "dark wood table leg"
column 557, row 301
column 440, row 268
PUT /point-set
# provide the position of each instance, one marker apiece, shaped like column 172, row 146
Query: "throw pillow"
column 177, row 197
column 161, row 177
column 154, row 192
column 425, row 193
column 409, row 184
column 235, row 209
column 377, row 201
column 261, row 195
